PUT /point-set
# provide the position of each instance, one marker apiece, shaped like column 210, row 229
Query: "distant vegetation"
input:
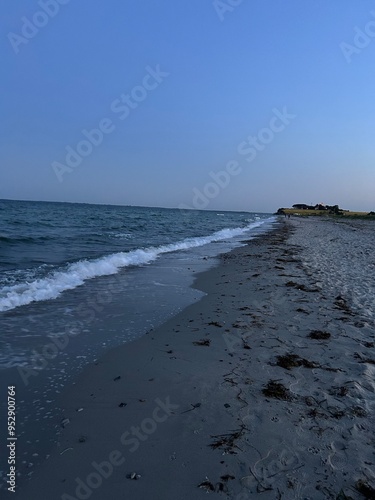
column 302, row 209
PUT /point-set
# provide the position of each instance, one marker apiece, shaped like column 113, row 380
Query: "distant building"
column 303, row 206
column 320, row 206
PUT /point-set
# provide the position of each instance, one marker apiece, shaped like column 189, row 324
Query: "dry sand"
column 263, row 388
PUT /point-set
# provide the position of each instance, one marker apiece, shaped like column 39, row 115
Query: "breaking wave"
column 75, row 274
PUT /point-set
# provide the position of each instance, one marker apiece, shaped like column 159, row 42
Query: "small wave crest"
column 77, row 273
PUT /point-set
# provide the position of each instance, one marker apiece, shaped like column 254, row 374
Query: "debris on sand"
column 357, row 411
column 365, row 489
column 207, row 486
column 215, row 323
column 364, row 360
column 278, row 391
column 134, row 476
column 302, row 310
column 342, row 304
column 220, row 486
column 226, row 477
column 193, row 407
column 319, row 335
column 300, row 286
column 228, row 441
column 204, row 342
column 339, row 391
column 245, row 345
column 289, row 361
column 64, row 422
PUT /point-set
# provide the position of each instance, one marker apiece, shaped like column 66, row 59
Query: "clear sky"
column 264, row 90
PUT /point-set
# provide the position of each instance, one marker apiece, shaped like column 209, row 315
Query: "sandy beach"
column 265, row 387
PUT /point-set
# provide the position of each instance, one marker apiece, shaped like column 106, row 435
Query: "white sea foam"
column 76, row 274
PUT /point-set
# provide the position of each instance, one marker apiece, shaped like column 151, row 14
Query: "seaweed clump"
column 278, row 391
column 319, row 335
column 365, row 489
column 289, row 361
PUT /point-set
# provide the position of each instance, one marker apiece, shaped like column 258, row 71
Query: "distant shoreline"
column 324, row 213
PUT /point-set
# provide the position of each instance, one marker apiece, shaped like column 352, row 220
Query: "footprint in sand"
column 313, row 450
column 338, row 459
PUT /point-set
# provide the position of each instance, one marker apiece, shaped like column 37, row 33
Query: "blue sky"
column 222, row 69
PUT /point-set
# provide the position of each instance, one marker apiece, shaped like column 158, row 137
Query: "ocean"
column 49, row 248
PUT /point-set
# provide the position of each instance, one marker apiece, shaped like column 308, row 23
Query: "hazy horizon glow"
column 217, row 104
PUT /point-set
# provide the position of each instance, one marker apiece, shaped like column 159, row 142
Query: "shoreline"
column 225, row 397
column 53, row 341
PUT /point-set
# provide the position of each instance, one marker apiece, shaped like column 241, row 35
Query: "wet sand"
column 265, row 387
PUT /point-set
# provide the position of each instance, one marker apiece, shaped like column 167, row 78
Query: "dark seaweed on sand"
column 206, row 485
column 339, row 391
column 342, row 304
column 319, row 335
column 289, row 361
column 278, row 391
column 364, row 360
column 300, row 286
column 365, row 489
column 204, row 342
column 228, row 441
column 215, row 323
